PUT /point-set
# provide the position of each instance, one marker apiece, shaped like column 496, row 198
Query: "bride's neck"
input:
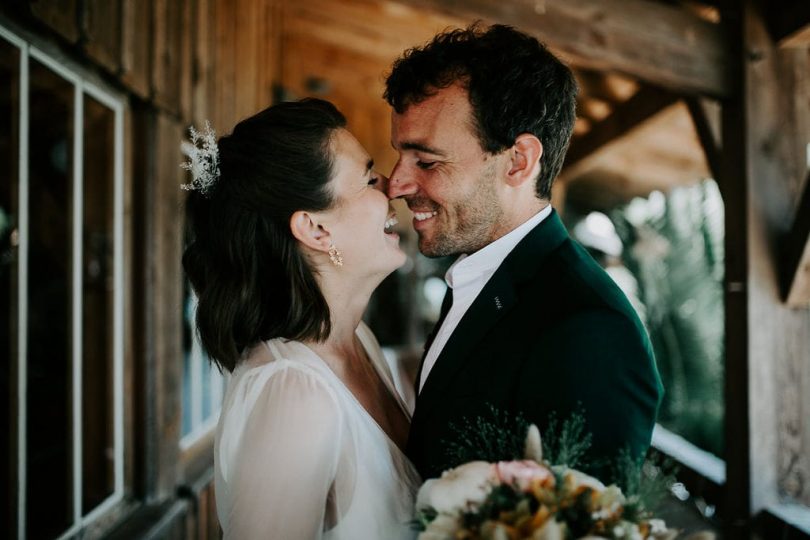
column 347, row 300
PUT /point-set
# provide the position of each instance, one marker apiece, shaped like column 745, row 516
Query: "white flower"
column 534, row 446
column 203, row 162
column 458, row 488
column 443, row 527
column 551, row 530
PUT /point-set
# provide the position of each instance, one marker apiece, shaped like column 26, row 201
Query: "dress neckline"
column 384, row 377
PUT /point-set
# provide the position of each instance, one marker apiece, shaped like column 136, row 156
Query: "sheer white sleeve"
column 285, row 467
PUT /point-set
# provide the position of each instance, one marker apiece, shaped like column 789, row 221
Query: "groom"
column 482, row 118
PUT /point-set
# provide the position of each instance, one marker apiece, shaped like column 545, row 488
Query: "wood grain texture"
column 60, row 15
column 102, row 24
column 657, row 43
column 779, row 337
column 136, row 46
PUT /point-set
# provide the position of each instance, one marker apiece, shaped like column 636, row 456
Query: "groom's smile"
column 446, row 178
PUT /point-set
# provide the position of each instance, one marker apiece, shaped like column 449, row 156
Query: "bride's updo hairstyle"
column 252, row 280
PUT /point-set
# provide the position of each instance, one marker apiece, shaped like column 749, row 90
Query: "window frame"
column 85, row 85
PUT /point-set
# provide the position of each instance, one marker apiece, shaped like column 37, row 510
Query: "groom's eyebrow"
column 421, row 148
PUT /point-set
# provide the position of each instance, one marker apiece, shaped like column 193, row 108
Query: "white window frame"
column 115, row 102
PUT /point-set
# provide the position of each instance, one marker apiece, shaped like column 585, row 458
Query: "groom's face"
column 450, row 183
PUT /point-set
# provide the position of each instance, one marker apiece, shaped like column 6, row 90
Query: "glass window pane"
column 9, row 238
column 49, row 456
column 98, row 450
column 188, row 338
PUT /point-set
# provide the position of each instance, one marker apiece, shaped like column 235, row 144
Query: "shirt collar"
column 468, row 269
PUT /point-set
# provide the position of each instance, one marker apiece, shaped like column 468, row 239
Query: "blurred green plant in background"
column 673, row 245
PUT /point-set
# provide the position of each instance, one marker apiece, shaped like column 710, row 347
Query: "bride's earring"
column 335, row 256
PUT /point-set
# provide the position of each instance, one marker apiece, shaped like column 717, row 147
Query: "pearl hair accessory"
column 203, row 163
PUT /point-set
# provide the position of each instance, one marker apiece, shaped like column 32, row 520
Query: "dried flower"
column 203, row 163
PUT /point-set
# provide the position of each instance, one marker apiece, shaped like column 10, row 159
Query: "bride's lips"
column 390, row 223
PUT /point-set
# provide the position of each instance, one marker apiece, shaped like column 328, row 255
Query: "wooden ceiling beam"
column 665, row 45
column 706, row 118
column 625, row 116
column 796, row 275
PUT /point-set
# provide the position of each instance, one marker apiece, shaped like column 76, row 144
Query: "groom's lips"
column 419, row 224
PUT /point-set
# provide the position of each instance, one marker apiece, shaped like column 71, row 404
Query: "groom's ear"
column 525, row 156
column 308, row 230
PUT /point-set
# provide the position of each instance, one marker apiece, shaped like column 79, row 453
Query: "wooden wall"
column 180, row 62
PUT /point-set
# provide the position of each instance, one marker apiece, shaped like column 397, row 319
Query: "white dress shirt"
column 467, row 277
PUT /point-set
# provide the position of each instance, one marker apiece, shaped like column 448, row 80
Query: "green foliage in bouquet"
column 500, row 436
column 567, row 443
column 495, row 436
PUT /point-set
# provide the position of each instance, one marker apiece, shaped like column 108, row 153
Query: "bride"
column 291, row 234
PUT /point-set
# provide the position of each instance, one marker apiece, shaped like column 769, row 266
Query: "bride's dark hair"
column 251, row 280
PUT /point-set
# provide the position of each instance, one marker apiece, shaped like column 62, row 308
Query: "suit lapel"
column 496, row 299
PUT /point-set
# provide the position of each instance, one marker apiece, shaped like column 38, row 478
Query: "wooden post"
column 736, row 505
column 767, row 343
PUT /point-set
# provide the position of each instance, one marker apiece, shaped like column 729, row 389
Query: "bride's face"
column 362, row 226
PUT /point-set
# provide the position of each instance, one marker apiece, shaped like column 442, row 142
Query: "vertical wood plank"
column 777, row 337
column 157, row 309
column 167, row 55
column 60, row 15
column 136, row 47
column 246, row 56
column 186, row 8
column 102, row 24
column 225, row 73
column 736, row 504
column 203, row 62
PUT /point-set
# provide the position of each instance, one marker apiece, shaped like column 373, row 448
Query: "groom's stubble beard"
column 474, row 221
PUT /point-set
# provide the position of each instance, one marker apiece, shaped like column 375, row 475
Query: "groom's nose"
column 400, row 183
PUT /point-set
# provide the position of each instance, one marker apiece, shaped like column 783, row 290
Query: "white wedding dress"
column 298, row 457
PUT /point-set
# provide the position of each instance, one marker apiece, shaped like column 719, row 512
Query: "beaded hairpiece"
column 203, row 163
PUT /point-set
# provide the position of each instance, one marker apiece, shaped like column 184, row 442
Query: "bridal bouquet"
column 529, row 499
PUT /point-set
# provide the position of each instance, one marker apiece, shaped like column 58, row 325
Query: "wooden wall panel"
column 779, row 337
column 203, row 64
column 166, row 289
column 102, row 24
column 60, row 15
column 225, row 30
column 171, row 54
column 136, row 46
column 246, row 43
column 352, row 81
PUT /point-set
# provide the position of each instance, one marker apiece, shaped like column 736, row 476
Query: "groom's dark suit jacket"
column 550, row 332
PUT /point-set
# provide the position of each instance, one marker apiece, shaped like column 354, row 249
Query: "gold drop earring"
column 335, row 256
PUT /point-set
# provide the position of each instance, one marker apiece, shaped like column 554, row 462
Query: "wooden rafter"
column 707, row 125
column 662, row 44
column 644, row 104
column 796, row 272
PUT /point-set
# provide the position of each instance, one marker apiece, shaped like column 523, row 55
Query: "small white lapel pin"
column 498, row 304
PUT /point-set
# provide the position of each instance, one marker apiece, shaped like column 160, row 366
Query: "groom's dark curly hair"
column 515, row 86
